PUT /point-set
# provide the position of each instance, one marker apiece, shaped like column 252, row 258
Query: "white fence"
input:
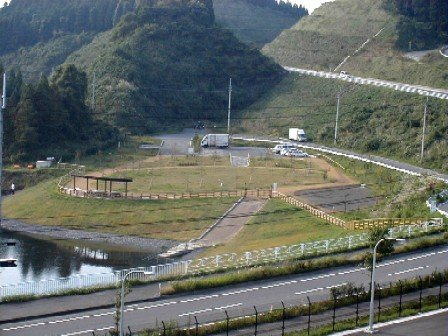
column 205, row 265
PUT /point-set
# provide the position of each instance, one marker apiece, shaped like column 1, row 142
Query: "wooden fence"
column 259, row 193
column 366, row 224
column 316, row 212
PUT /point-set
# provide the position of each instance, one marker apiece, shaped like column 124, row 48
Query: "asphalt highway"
column 209, row 306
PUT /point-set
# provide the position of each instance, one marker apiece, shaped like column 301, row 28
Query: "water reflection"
column 40, row 259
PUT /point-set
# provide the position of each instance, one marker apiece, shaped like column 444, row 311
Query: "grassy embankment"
column 372, row 120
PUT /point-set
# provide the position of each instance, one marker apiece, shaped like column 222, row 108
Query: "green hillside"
column 38, row 35
column 372, row 120
column 256, row 22
column 170, row 63
column 337, row 29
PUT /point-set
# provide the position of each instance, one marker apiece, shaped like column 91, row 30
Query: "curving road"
column 418, row 89
column 210, row 305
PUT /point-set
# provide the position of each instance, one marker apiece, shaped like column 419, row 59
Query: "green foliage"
column 156, row 68
column 24, row 23
column 51, row 119
column 423, row 24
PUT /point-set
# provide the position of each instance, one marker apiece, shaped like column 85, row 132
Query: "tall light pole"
column 230, row 106
column 337, row 119
column 372, row 282
column 123, row 282
column 424, row 130
column 2, row 109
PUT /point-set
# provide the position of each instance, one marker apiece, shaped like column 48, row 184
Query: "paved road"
column 209, row 305
column 433, row 325
column 178, row 144
column 385, row 162
column 418, row 89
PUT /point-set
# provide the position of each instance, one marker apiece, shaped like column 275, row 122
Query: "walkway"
column 232, row 223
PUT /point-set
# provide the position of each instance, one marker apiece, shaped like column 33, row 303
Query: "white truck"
column 215, row 140
column 297, row 134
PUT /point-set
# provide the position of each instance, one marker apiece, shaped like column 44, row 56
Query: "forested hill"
column 257, row 22
column 423, row 24
column 170, row 63
column 24, row 23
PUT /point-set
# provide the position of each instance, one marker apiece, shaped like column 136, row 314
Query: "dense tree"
column 51, row 118
column 26, row 22
column 423, row 25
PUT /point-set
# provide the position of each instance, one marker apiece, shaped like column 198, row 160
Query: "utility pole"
column 424, row 130
column 93, row 91
column 337, row 119
column 2, row 109
column 230, row 106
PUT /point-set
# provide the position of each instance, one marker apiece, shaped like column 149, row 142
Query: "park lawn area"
column 166, row 219
column 279, row 224
column 199, row 179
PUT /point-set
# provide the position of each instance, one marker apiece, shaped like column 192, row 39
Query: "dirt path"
column 233, row 222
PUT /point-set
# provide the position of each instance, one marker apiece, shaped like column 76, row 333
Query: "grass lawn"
column 179, row 219
column 279, row 224
column 196, row 179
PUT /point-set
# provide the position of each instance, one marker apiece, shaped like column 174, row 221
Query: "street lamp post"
column 123, row 281
column 372, row 284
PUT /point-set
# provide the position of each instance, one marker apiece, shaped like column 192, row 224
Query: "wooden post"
column 74, row 182
column 126, row 189
column 87, row 184
column 110, row 188
column 97, row 186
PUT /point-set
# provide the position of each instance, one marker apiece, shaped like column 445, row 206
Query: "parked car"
column 344, row 74
column 277, row 149
column 293, row 152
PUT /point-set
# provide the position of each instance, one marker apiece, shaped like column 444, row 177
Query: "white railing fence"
column 210, row 264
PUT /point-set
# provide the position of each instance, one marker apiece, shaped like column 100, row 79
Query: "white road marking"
column 408, row 270
column 319, row 277
column 25, row 326
column 199, row 298
column 196, row 312
column 79, row 333
column 229, row 306
column 320, row 289
column 352, row 271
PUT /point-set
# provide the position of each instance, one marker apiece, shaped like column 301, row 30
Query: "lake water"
column 41, row 259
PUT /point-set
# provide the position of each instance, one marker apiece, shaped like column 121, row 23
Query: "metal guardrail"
column 210, row 264
column 421, row 90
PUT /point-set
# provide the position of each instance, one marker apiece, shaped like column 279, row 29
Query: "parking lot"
column 338, row 199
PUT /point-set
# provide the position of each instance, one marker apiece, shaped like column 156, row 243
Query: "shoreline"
column 60, row 233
